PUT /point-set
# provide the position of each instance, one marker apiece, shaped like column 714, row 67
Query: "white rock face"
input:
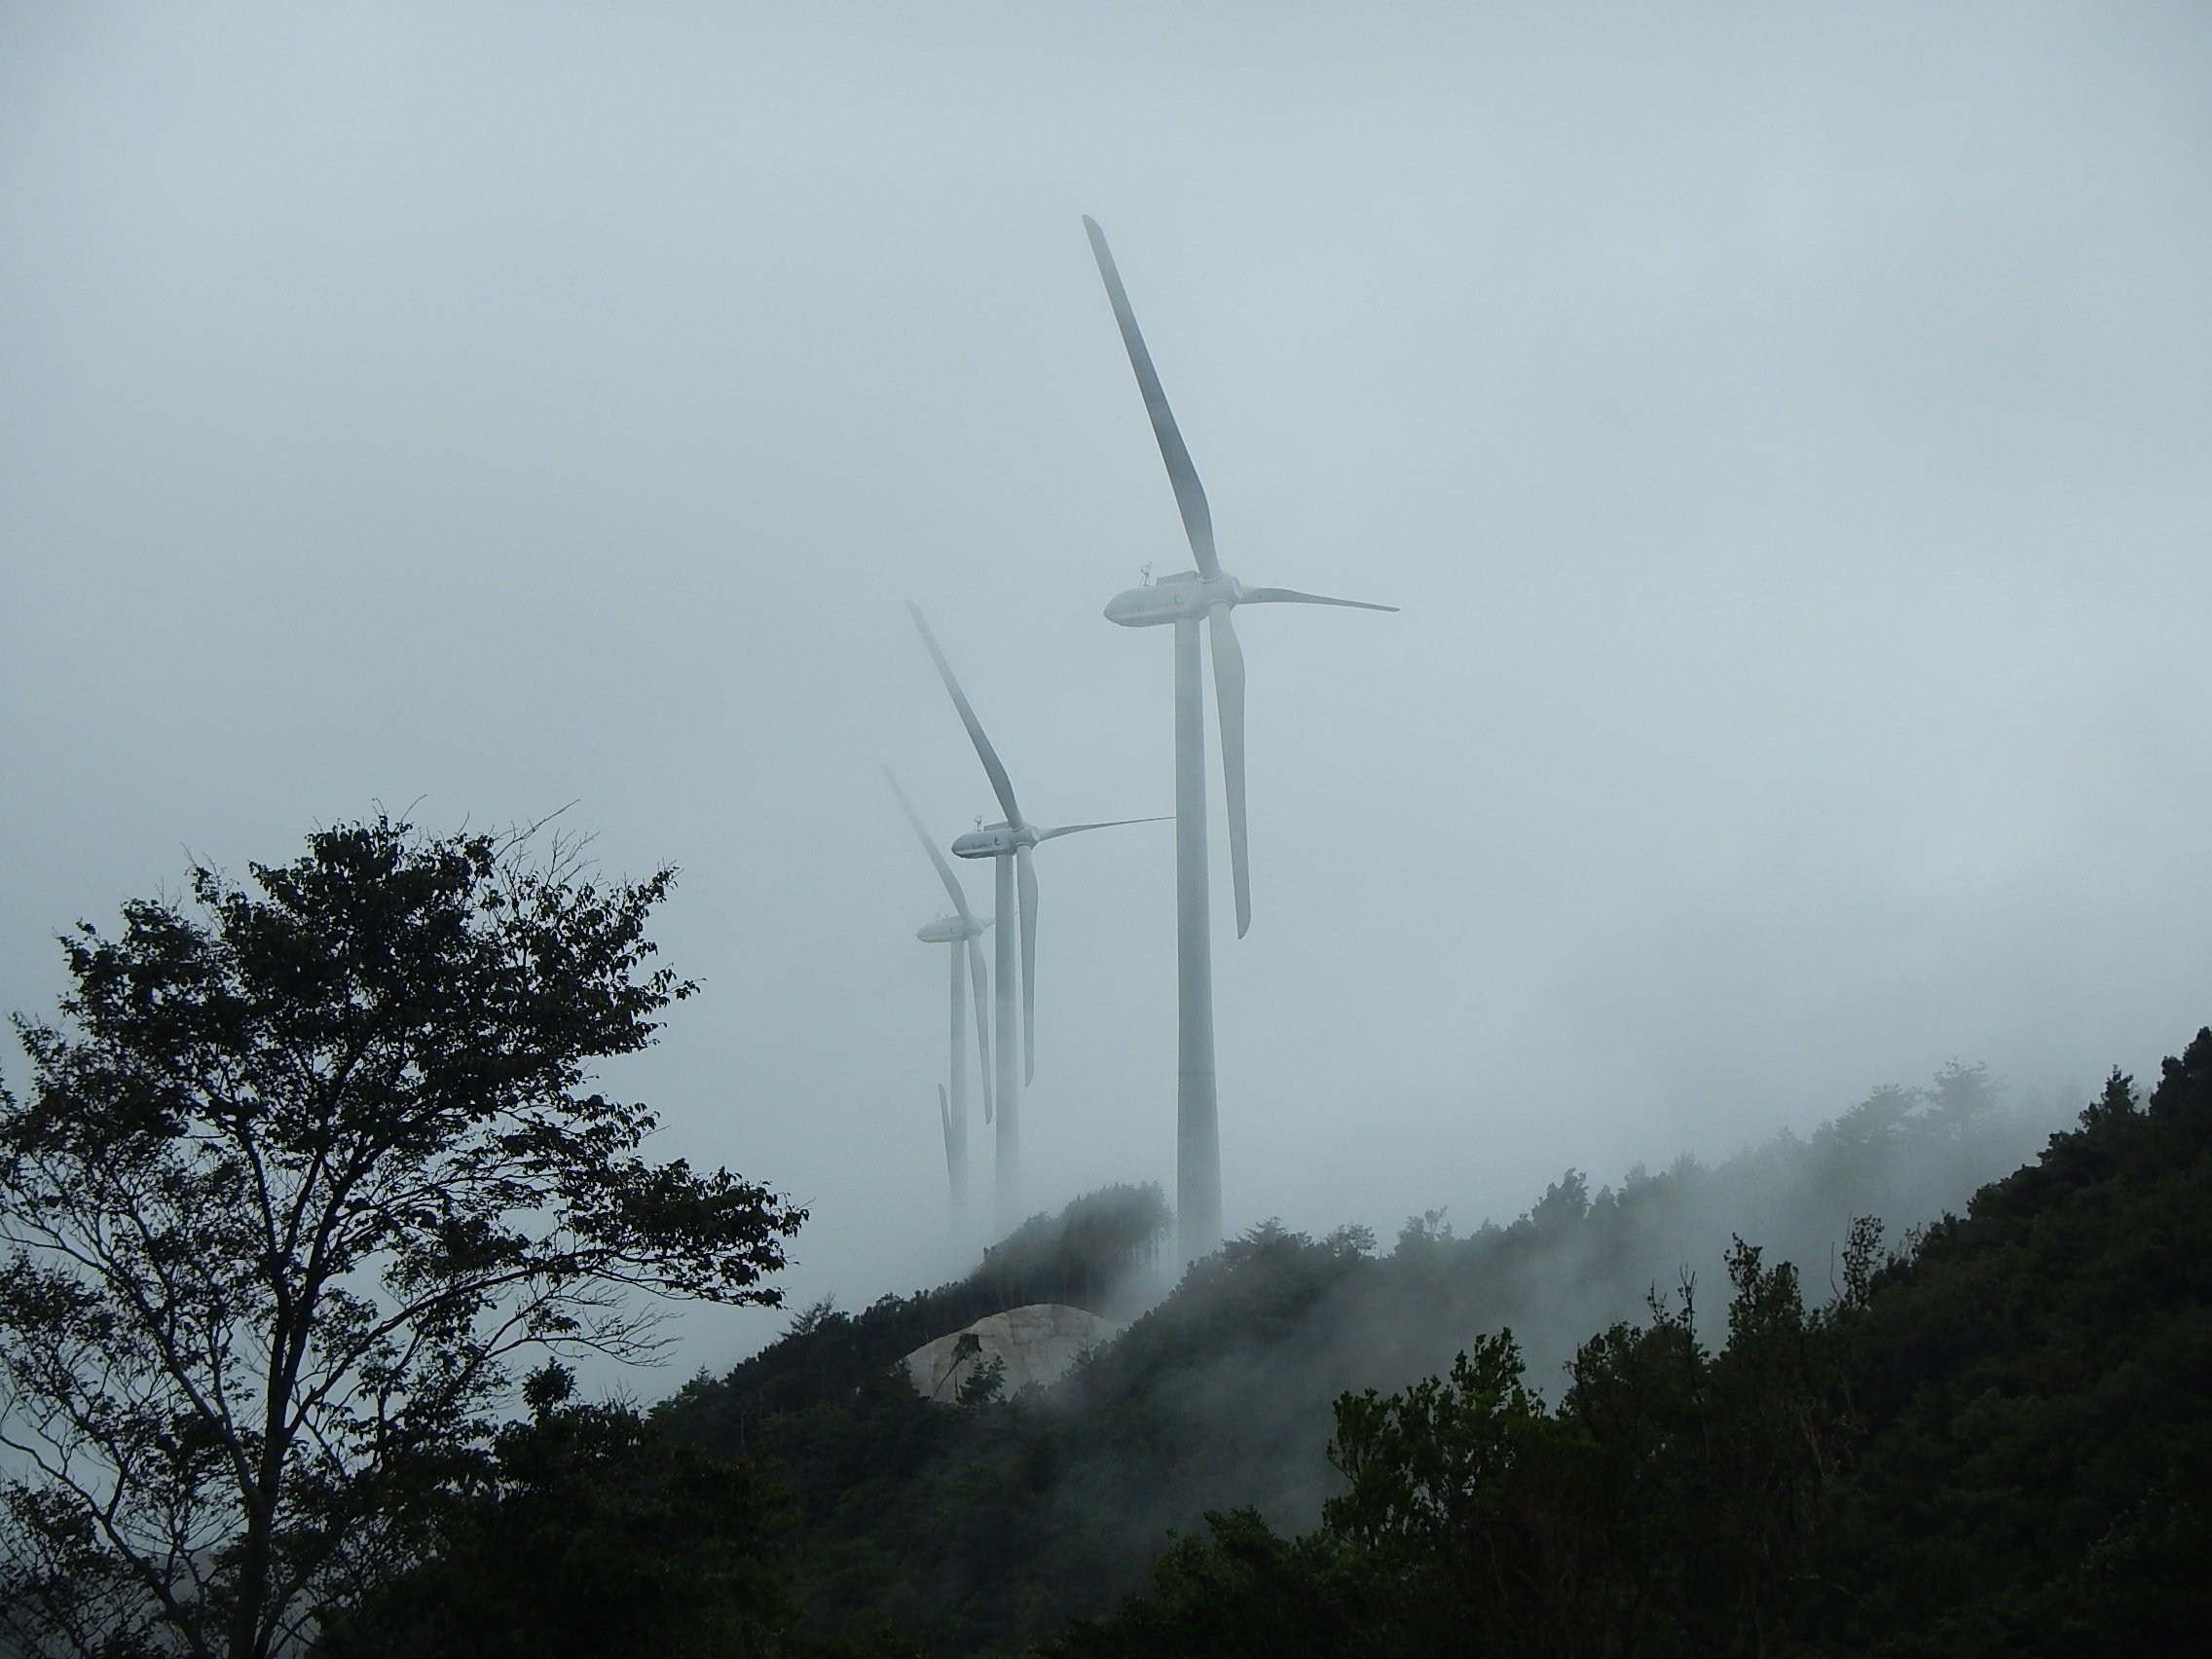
column 1036, row 1344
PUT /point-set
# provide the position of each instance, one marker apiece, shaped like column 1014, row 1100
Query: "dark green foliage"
column 1449, row 1491
column 2035, row 1388
column 590, row 1533
column 988, row 1533
column 986, row 1527
column 1241, row 1591
column 1995, row 1444
column 1668, row 1506
column 907, row 1510
column 1097, row 1254
column 984, row 1385
column 302, row 1163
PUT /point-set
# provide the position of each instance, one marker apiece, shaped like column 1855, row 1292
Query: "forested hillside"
column 1998, row 1443
column 1987, row 1436
column 987, row 1528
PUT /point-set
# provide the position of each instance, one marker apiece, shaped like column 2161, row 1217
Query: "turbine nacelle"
column 996, row 841
column 1172, row 599
column 951, row 930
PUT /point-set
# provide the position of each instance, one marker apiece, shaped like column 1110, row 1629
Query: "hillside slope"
column 988, row 1529
column 2000, row 1443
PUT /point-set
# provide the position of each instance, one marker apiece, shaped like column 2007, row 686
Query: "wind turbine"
column 962, row 930
column 1011, row 843
column 1207, row 594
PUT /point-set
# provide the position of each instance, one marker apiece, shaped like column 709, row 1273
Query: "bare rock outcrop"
column 1035, row 1345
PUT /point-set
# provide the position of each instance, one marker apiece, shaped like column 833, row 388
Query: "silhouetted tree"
column 1962, row 1099
column 1877, row 1121
column 1241, row 1591
column 302, row 1165
column 1455, row 1492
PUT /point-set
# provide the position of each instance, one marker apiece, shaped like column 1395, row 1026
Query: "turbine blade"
column 1190, row 493
column 1109, row 824
column 1291, row 596
column 945, row 1120
column 1025, row 861
column 1229, row 702
column 981, row 980
column 1001, row 785
column 929, row 845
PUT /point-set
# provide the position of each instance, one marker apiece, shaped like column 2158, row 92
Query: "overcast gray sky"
column 1786, row 430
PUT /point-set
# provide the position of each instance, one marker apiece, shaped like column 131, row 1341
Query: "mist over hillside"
column 982, row 1528
column 1990, row 1443
column 1780, row 434
column 1782, row 430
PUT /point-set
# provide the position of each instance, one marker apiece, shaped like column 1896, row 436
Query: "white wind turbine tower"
column 961, row 930
column 1011, row 843
column 1187, row 599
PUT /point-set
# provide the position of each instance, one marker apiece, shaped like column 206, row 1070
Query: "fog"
column 1785, row 432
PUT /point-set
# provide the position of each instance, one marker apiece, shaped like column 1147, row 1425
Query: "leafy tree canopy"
column 304, row 1162
column 988, row 1530
column 589, row 1534
column 1994, row 1442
